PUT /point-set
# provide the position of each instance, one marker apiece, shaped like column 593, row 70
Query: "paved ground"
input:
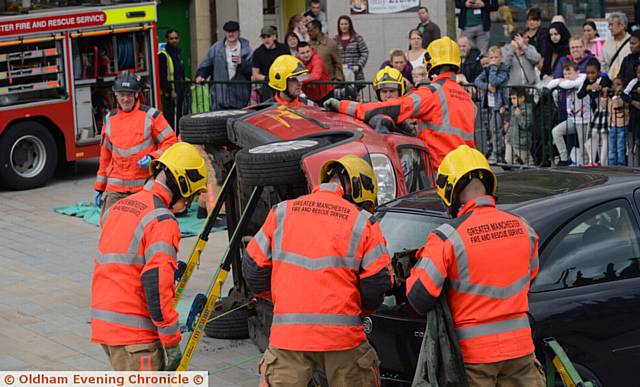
column 46, row 262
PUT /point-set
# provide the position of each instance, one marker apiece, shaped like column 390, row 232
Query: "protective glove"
column 174, row 355
column 144, row 162
column 98, row 199
column 331, row 105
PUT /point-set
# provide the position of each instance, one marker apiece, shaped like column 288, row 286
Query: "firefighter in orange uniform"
column 488, row 257
column 285, row 77
column 132, row 136
column 132, row 291
column 324, row 260
column 444, row 110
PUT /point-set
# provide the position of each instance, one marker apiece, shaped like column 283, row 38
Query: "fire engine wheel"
column 28, row 156
column 275, row 164
column 208, row 128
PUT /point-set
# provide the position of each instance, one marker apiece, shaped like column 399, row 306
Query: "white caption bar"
column 103, row 379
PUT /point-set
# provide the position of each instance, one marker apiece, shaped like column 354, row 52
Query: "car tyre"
column 28, row 156
column 231, row 326
column 275, row 164
column 209, row 127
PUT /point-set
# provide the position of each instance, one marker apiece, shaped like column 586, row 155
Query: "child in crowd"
column 494, row 95
column 619, row 123
column 596, row 85
column 420, row 75
column 518, row 130
column 631, row 95
column 578, row 112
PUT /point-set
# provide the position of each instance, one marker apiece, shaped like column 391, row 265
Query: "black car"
column 587, row 292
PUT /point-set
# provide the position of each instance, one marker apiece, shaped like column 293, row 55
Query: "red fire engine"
column 56, row 72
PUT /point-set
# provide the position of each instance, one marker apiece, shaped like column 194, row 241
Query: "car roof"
column 538, row 195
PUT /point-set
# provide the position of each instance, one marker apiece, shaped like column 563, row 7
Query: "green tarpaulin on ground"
column 189, row 225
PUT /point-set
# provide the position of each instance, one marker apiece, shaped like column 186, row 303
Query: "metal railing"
column 526, row 131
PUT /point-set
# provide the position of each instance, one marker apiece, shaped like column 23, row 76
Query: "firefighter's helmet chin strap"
column 456, row 205
column 286, row 92
column 348, row 196
column 343, row 183
column 171, row 184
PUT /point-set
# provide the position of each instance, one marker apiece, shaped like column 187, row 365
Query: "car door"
column 587, row 293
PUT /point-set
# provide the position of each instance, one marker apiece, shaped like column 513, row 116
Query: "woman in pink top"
column 592, row 41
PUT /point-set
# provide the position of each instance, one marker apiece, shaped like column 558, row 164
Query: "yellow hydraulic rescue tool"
column 215, row 288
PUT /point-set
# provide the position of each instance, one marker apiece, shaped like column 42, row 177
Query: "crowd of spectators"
column 593, row 82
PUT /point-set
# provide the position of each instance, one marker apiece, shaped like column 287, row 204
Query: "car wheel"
column 208, row 128
column 230, row 326
column 276, row 163
column 28, row 156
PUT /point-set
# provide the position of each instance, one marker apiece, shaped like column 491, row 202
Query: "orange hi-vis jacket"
column 443, row 109
column 298, row 101
column 325, row 262
column 132, row 291
column 488, row 257
column 126, row 138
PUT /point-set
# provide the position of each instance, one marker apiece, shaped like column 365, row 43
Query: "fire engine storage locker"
column 98, row 56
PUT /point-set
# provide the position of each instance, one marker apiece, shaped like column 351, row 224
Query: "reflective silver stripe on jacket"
column 160, row 247
column 164, row 133
column 493, row 328
column 263, row 243
column 107, row 144
column 132, row 321
column 432, row 271
column 351, row 108
column 328, row 187
column 464, row 285
column 349, row 261
column 416, row 104
column 356, row 233
column 123, row 258
column 123, row 319
column 147, row 139
column 170, row 330
column 445, row 127
column 280, row 212
column 101, row 179
column 316, row 319
column 373, row 255
column 126, row 183
column 532, row 245
column 131, row 257
column 317, row 263
column 483, row 202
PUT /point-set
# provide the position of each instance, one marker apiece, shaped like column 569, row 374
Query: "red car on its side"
column 300, row 139
column 283, row 148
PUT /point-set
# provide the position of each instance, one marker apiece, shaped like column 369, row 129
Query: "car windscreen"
column 405, row 231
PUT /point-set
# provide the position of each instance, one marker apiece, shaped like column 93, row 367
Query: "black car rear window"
column 405, row 231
